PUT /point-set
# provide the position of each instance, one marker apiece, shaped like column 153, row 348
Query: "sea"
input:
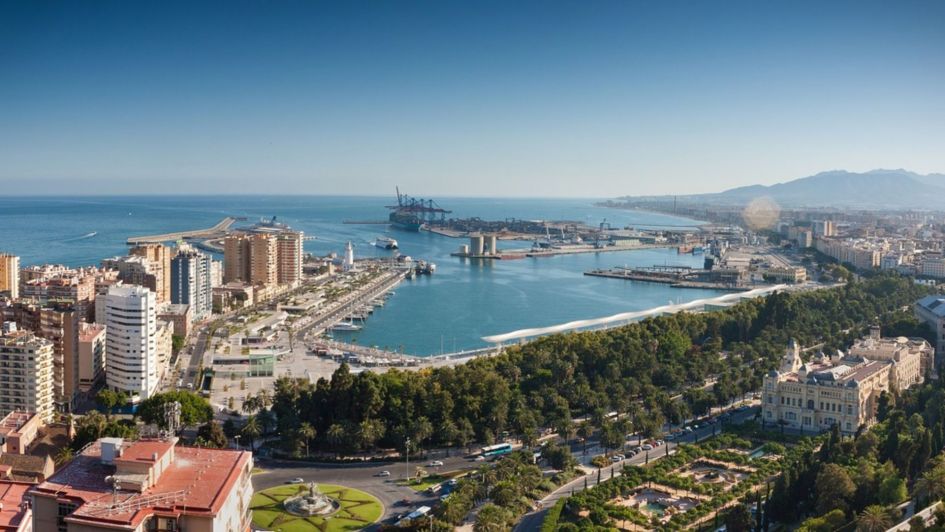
column 446, row 312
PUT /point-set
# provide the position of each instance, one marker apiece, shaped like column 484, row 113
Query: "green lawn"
column 358, row 510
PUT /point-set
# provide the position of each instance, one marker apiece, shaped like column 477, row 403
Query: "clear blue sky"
column 443, row 98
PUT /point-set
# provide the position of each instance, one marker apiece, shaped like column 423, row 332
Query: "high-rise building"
column 236, row 259
column 131, row 353
column 91, row 355
column 160, row 257
column 147, row 485
column 26, row 379
column 348, row 261
column 10, row 275
column 58, row 322
column 264, row 260
column 273, row 258
column 136, row 270
column 290, row 257
column 191, row 281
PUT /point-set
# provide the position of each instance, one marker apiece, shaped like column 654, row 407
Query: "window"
column 810, row 404
column 64, row 510
column 806, row 420
column 770, row 400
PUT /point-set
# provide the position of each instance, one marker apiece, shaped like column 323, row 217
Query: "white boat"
column 345, row 326
column 385, row 242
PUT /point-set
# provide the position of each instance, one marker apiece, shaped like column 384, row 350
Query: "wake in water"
column 83, row 237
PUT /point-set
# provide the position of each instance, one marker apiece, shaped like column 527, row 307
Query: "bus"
column 496, row 450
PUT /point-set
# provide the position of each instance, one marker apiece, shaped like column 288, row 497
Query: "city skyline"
column 543, row 100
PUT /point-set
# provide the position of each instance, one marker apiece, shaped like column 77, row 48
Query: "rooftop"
column 197, row 481
column 12, row 508
column 13, row 421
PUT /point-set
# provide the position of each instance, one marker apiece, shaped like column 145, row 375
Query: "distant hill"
column 891, row 189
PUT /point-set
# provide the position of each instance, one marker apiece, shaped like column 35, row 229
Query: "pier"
column 217, row 229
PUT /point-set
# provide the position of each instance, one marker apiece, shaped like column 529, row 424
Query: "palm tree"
column 335, row 435
column 307, row 432
column 585, row 431
column 251, row 430
column 64, row 456
column 874, row 518
column 931, row 485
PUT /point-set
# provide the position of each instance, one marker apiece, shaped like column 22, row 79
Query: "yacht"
column 385, row 242
column 345, row 326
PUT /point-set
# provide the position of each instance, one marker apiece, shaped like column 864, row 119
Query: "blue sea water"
column 450, row 310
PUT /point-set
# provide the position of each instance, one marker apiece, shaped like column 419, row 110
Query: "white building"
column 131, row 357
column 26, row 367
column 349, row 257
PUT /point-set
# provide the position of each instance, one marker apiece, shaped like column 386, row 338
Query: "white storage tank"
column 476, row 244
column 491, row 247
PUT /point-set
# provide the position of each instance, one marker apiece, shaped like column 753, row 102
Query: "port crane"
column 426, row 211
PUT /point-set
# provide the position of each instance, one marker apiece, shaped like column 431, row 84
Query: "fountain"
column 310, row 504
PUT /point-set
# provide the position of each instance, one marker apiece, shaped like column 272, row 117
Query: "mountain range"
column 886, row 189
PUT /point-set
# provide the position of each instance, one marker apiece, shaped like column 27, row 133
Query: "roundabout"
column 310, row 508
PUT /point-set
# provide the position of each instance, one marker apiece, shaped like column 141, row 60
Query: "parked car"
column 296, row 480
column 615, row 458
column 384, row 474
column 436, row 463
column 648, row 447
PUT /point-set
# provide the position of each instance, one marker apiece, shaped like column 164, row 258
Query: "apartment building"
column 861, row 253
column 289, row 251
column 147, row 485
column 191, row 281
column 131, row 347
column 57, row 322
column 91, row 355
column 268, row 259
column 160, row 257
column 10, row 275
column 26, row 374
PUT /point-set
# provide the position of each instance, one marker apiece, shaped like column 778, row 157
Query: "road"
column 361, row 476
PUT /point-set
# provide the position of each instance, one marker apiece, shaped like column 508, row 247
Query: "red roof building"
column 152, row 485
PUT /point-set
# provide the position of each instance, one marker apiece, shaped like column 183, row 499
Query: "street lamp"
column 237, row 438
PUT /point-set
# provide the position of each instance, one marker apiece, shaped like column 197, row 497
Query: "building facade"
column 931, row 310
column 10, row 275
column 91, row 355
column 26, row 374
column 840, row 390
column 191, row 282
column 131, row 351
column 160, row 257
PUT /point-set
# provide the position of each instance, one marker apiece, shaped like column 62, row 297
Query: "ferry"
column 385, row 242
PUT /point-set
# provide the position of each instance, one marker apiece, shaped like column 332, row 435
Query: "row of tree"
column 635, row 369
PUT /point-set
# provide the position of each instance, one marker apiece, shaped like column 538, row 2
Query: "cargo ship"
column 411, row 214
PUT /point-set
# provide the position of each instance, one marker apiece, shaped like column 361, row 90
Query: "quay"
column 675, row 276
column 571, row 249
column 217, row 229
column 337, row 311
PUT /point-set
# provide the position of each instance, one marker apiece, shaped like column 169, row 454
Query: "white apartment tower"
column 131, row 357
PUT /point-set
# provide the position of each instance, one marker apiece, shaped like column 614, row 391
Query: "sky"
column 477, row 98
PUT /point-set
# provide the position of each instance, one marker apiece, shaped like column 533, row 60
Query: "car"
column 436, row 463
column 648, row 447
column 659, row 442
column 689, row 429
column 615, row 458
column 384, row 474
column 296, row 480
column 444, row 497
column 480, row 458
column 637, row 449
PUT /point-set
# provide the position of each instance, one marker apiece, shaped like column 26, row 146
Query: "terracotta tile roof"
column 11, row 496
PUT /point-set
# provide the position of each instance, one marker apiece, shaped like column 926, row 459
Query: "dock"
column 216, row 230
column 675, row 276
